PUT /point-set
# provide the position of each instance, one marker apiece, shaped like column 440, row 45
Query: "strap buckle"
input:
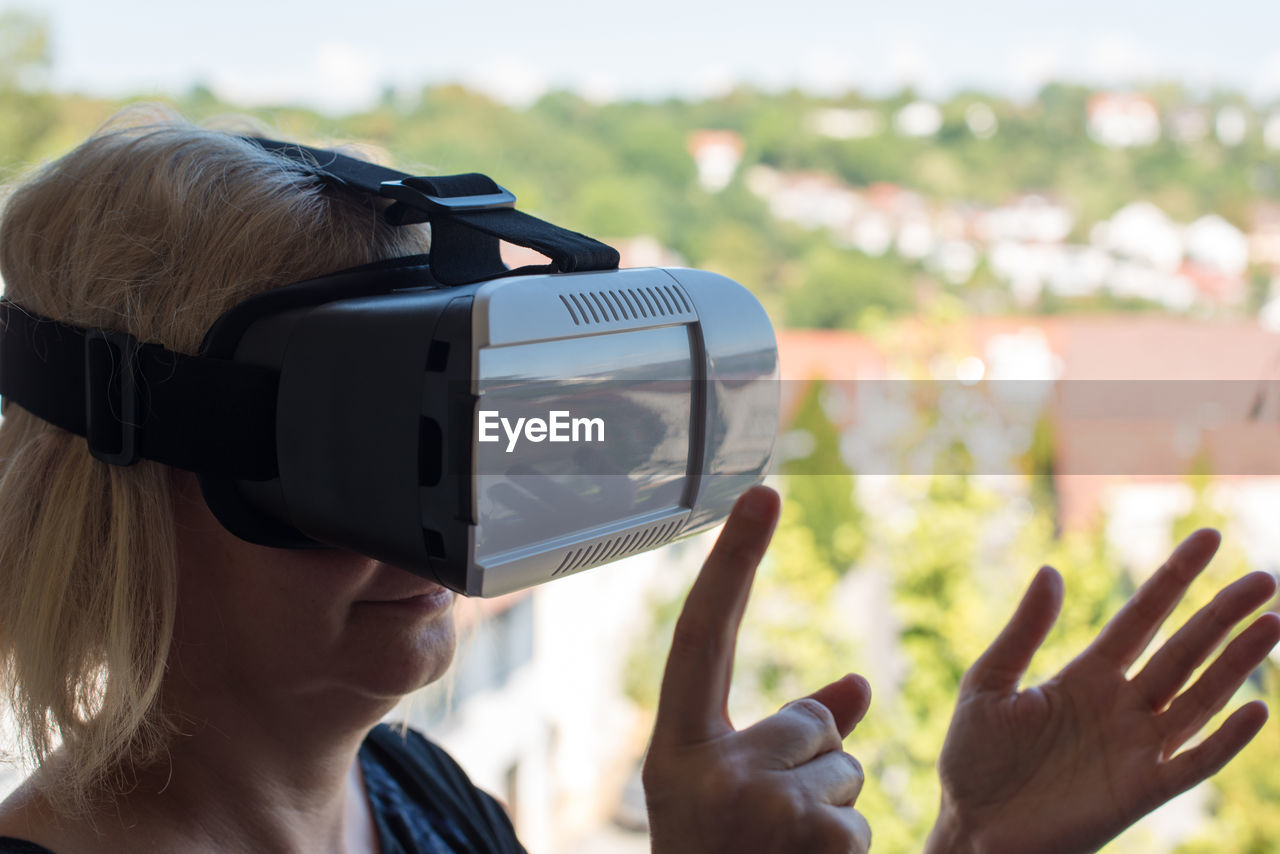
column 420, row 200
column 111, row 400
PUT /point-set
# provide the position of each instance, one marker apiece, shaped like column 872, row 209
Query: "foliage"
column 820, row 486
column 835, row 288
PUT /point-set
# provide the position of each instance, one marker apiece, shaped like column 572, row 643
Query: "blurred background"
column 1024, row 260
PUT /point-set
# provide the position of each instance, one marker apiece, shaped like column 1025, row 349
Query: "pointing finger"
column 695, row 686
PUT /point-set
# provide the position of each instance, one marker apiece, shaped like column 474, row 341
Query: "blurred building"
column 1271, row 131
column 717, row 154
column 918, row 119
column 843, row 123
column 1231, row 126
column 1189, row 125
column 1122, row 120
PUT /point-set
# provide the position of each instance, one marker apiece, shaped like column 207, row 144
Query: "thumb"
column 848, row 699
column 1002, row 665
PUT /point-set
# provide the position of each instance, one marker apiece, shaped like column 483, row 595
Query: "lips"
column 390, row 584
column 430, row 598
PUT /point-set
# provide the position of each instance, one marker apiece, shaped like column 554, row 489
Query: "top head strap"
column 206, row 412
column 469, row 214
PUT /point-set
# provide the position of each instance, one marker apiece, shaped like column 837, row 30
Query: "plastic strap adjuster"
column 416, row 198
column 111, row 402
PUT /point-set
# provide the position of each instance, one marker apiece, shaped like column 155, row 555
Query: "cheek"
column 259, row 617
column 253, row 606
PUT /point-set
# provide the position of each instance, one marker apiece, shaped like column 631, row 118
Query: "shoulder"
column 409, row 752
column 407, row 744
column 427, row 774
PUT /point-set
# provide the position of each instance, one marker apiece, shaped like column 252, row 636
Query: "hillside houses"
column 1131, row 120
column 1034, row 244
column 1122, row 120
column 1117, row 119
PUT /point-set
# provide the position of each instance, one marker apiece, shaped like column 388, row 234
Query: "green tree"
column 820, row 486
column 834, row 288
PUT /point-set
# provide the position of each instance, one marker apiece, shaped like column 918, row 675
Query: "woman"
column 182, row 690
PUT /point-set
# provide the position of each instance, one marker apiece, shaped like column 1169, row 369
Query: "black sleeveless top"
column 422, row 802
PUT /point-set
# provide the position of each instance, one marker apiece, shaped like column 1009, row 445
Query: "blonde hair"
column 153, row 229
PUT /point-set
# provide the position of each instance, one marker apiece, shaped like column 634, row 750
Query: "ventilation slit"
column 658, row 295
column 626, row 544
column 636, row 308
column 591, row 555
column 646, row 539
column 572, row 313
column 597, row 552
column 653, row 310
column 580, row 560
column 604, row 309
column 568, row 556
column 598, row 555
column 678, row 297
column 589, row 307
column 615, row 544
column 612, row 298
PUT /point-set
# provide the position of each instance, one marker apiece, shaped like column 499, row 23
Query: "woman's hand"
column 1067, row 765
column 782, row 785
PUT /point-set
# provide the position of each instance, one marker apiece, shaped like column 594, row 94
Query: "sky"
column 341, row 56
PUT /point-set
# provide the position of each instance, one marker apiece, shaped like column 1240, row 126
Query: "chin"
column 397, row 663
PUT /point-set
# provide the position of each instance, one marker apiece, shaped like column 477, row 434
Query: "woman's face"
column 321, row 624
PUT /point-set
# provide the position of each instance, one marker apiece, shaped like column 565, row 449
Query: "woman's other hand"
column 1067, row 765
column 782, row 785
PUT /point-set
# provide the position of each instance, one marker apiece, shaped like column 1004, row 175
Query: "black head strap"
column 469, row 215
column 132, row 400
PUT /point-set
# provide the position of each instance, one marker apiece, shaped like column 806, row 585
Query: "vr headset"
column 487, row 428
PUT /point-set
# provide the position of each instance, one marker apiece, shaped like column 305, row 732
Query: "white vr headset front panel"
column 616, row 411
